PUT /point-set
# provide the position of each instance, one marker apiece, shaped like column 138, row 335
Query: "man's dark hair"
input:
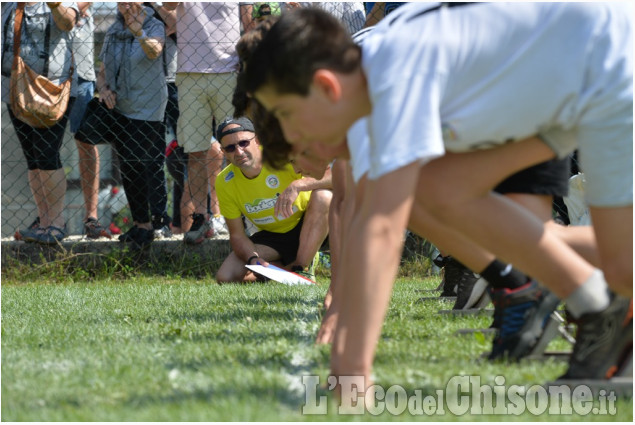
column 301, row 42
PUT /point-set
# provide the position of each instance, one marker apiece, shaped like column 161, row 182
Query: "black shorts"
column 546, row 178
column 285, row 244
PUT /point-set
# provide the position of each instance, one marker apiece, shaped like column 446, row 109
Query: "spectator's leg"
column 54, row 185
column 197, row 179
column 157, row 183
column 89, row 176
column 187, row 209
column 214, row 167
column 37, row 189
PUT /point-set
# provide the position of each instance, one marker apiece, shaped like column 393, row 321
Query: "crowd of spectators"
column 161, row 81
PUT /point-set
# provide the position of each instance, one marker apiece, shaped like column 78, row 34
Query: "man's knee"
column 320, row 202
column 224, row 275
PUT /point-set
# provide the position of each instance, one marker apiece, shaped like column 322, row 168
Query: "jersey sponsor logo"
column 260, row 204
column 272, row 181
column 229, row 176
column 264, row 220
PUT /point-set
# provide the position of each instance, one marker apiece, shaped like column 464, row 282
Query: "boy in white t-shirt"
column 469, row 79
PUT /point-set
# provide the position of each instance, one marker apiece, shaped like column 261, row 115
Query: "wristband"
column 251, row 258
column 143, row 35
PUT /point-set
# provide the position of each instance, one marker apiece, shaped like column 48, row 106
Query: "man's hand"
column 108, row 97
column 284, row 204
column 134, row 19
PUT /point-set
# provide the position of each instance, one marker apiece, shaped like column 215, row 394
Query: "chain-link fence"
column 121, row 154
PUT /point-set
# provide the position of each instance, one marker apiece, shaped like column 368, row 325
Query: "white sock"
column 591, row 297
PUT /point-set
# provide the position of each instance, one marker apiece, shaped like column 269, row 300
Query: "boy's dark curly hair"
column 276, row 150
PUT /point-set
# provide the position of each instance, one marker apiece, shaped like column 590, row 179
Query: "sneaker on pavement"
column 129, row 235
column 51, row 236
column 162, row 233
column 22, row 234
column 94, row 230
column 140, row 238
column 604, row 341
column 219, row 225
column 161, row 226
column 201, row 229
column 521, row 315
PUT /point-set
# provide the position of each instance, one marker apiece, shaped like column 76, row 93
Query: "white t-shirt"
column 464, row 78
column 358, row 143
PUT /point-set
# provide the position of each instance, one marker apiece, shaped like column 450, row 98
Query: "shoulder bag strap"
column 17, row 30
column 47, row 46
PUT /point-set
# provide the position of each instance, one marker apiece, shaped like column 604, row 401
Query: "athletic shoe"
column 129, row 235
column 522, row 314
column 161, row 227
column 94, row 230
column 309, row 272
column 51, row 236
column 200, row 230
column 21, row 234
column 219, row 225
column 498, row 308
column 304, row 273
column 470, row 291
column 162, row 233
column 604, row 341
column 456, row 274
column 140, row 238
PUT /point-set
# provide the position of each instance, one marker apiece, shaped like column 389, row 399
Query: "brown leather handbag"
column 35, row 99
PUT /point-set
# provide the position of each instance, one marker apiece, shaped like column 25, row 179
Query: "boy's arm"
column 371, row 251
column 339, row 219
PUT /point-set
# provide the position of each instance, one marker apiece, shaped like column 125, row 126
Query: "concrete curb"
column 93, row 252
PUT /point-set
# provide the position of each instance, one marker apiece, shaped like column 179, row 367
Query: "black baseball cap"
column 244, row 124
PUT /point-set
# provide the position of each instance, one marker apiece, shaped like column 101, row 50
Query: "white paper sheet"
column 280, row 275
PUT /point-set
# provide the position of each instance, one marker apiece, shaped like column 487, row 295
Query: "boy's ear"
column 327, row 82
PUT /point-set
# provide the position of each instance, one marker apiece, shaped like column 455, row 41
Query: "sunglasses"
column 232, row 148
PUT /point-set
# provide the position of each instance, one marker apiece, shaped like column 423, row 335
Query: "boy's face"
column 308, row 122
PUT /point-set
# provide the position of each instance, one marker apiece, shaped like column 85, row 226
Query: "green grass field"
column 167, row 349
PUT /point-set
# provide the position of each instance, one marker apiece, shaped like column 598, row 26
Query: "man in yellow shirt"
column 290, row 211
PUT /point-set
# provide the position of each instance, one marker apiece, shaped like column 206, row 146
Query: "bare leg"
column 197, row 180
column 233, row 268
column 89, row 176
column 541, row 254
column 214, row 167
column 315, row 227
column 35, row 183
column 580, row 238
column 187, row 209
column 614, row 231
column 54, row 185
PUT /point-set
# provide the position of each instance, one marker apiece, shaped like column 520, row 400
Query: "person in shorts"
column 290, row 212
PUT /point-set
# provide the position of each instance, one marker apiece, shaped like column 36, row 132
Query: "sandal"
column 53, row 235
column 23, row 234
